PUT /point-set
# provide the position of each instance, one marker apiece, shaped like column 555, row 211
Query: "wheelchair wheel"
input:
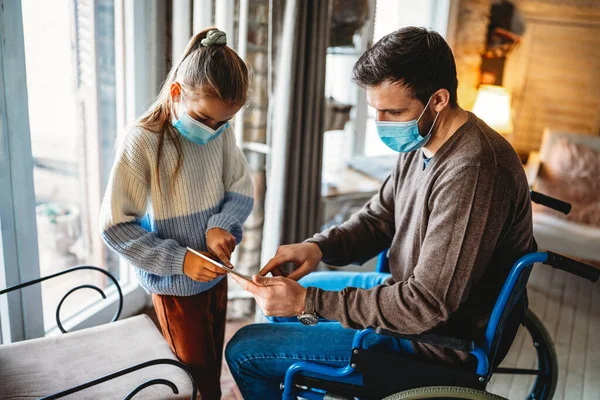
column 545, row 384
column 547, row 370
column 444, row 392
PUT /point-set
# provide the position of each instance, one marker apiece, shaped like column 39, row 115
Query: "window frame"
column 361, row 113
column 19, row 261
column 140, row 59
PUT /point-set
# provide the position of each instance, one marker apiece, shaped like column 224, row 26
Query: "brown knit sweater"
column 454, row 230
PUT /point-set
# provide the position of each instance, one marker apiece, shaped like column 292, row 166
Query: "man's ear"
column 440, row 100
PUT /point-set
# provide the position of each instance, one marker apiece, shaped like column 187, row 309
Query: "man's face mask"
column 193, row 130
column 404, row 136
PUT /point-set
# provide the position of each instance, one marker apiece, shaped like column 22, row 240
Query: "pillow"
column 571, row 172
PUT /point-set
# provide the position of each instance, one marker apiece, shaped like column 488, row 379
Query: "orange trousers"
column 194, row 327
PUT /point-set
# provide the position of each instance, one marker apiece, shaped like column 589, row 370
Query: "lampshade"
column 493, row 106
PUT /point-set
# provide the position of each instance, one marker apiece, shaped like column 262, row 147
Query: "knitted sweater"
column 454, row 230
column 151, row 227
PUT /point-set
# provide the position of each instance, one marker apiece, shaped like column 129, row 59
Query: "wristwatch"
column 308, row 317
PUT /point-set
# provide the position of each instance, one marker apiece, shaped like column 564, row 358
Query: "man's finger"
column 247, row 285
column 300, row 272
column 262, row 280
column 279, row 272
column 273, row 264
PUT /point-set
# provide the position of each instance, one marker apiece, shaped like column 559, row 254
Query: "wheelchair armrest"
column 435, row 340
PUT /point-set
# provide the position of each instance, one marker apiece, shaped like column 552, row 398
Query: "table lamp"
column 493, row 105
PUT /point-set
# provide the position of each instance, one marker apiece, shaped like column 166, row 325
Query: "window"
column 57, row 146
column 388, row 16
column 72, row 113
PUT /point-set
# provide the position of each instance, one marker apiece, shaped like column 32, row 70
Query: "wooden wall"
column 469, row 44
column 555, row 73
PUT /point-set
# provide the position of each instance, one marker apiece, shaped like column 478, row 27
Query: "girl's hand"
column 199, row 269
column 221, row 244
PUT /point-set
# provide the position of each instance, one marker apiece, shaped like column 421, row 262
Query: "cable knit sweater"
column 151, row 227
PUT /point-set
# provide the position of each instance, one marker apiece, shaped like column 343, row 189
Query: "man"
column 455, row 214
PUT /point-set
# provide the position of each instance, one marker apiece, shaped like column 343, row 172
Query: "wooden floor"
column 569, row 307
column 228, row 386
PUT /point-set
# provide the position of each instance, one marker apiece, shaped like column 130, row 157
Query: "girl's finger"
column 214, row 269
column 226, row 251
column 226, row 256
column 209, row 274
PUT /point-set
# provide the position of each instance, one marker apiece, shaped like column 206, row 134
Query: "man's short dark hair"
column 417, row 58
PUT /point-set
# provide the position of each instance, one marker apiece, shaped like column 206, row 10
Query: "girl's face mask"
column 195, row 131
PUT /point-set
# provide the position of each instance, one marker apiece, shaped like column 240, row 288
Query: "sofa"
column 568, row 167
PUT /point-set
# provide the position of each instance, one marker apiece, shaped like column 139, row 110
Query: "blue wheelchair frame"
column 483, row 352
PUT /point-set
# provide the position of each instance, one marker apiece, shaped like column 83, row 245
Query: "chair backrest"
column 508, row 312
column 383, row 262
column 509, row 308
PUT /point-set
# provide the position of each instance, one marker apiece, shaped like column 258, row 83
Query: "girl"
column 178, row 181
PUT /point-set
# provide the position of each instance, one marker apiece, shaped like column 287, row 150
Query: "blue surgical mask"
column 404, row 136
column 196, row 131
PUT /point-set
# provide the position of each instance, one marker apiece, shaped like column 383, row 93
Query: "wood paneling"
column 555, row 73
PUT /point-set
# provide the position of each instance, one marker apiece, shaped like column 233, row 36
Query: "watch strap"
column 309, row 303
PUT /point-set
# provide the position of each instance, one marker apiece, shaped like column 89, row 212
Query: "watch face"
column 308, row 319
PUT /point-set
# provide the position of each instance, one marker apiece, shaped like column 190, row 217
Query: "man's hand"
column 277, row 297
column 221, row 244
column 306, row 256
column 199, row 269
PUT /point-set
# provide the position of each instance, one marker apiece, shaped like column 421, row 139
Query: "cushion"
column 566, row 237
column 571, row 173
column 44, row 366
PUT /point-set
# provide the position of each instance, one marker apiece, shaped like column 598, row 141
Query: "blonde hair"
column 215, row 70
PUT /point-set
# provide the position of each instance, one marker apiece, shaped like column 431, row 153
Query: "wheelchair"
column 396, row 376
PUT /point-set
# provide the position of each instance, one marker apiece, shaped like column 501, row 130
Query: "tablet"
column 218, row 264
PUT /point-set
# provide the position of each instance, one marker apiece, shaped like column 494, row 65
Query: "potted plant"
column 59, row 227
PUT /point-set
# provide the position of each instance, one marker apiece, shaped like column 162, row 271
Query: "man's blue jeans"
column 259, row 354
